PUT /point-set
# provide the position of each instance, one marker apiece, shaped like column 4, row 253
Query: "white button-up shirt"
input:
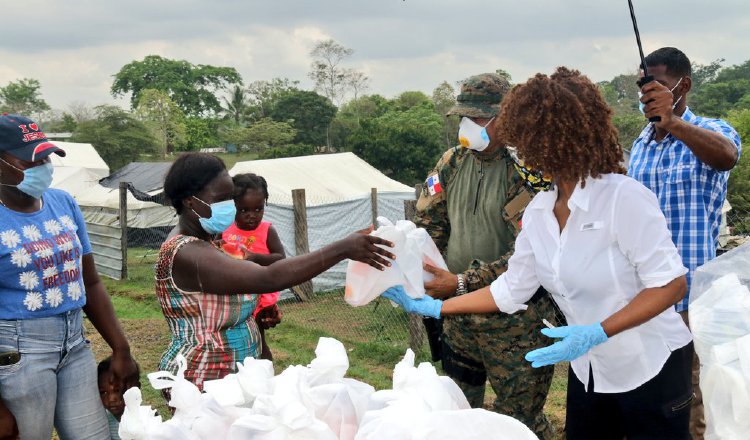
column 615, row 244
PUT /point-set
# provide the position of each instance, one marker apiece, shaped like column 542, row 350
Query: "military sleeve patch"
column 433, row 185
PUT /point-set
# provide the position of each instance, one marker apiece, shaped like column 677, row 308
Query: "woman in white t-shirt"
column 600, row 245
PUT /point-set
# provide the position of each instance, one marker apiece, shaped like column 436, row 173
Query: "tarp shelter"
column 146, row 183
column 80, row 155
column 338, row 198
column 145, row 177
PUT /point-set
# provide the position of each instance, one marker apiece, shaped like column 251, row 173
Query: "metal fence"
column 318, row 305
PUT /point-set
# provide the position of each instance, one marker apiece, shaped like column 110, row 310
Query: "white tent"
column 337, row 191
column 81, row 155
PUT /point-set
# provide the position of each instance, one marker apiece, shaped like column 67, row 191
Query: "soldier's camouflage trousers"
column 492, row 346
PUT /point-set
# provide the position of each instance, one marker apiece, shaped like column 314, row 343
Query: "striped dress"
column 212, row 331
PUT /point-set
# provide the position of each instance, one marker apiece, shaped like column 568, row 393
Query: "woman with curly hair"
column 599, row 244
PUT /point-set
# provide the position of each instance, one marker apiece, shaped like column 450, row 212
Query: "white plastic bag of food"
column 720, row 322
column 138, row 422
column 404, row 412
column 255, row 377
column 412, row 247
column 280, row 418
column 196, row 413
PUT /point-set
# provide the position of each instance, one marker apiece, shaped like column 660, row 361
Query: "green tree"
column 505, row 74
column 411, row 99
column 163, row 117
column 22, row 97
column 729, row 90
column 329, row 76
column 704, row 73
column 348, row 118
column 236, row 106
column 259, row 136
column 201, row 133
column 65, row 123
column 291, row 150
column 268, row 133
column 621, row 93
column 357, row 82
column 262, row 95
column 629, row 126
column 307, row 112
column 192, row 87
column 117, row 135
column 402, row 144
column 443, row 98
column 738, row 188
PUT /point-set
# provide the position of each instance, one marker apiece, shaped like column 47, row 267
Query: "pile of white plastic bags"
column 720, row 322
column 315, row 402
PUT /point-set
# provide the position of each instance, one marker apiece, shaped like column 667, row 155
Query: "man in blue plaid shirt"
column 685, row 159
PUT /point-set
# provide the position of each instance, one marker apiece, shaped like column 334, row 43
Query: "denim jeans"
column 55, row 380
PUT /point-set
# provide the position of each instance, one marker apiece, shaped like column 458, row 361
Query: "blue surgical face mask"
column 222, row 216
column 642, row 106
column 36, row 180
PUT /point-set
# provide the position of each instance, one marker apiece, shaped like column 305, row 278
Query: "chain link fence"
column 310, row 223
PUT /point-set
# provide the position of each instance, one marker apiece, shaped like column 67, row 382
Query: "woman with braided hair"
column 599, row 244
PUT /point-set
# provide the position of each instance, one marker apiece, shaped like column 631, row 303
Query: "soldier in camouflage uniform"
column 471, row 205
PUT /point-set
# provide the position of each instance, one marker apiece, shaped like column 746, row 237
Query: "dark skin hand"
column 8, row 426
column 709, row 147
column 200, row 266
column 269, row 317
column 444, row 285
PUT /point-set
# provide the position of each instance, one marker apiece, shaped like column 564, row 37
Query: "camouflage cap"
column 480, row 96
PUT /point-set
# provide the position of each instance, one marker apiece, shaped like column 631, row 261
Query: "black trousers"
column 657, row 410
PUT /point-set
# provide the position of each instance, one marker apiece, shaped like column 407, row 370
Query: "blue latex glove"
column 577, row 340
column 427, row 306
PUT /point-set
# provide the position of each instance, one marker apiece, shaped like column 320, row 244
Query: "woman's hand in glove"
column 576, row 341
column 426, row 306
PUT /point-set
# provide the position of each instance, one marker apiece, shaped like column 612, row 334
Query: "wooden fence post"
column 303, row 291
column 124, row 228
column 416, row 328
column 374, row 204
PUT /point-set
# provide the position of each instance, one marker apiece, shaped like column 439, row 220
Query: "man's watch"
column 461, row 289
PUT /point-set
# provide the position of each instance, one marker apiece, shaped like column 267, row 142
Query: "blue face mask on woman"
column 222, row 216
column 36, row 180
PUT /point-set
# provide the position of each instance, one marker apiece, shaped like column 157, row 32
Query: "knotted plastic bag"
column 196, row 413
column 338, row 401
column 425, row 406
column 720, row 322
column 412, row 247
column 138, row 422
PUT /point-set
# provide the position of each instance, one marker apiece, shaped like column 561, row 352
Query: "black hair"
column 106, row 363
column 245, row 182
column 189, row 174
column 674, row 59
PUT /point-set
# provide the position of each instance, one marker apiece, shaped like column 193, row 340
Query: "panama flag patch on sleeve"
column 433, row 185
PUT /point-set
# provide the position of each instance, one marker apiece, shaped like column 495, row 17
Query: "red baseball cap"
column 21, row 137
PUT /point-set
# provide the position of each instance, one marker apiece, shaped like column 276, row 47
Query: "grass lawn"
column 375, row 336
column 229, row 158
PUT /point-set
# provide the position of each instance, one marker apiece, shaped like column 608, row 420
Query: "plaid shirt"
column 213, row 332
column 690, row 192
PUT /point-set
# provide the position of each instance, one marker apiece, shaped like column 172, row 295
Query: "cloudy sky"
column 75, row 46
